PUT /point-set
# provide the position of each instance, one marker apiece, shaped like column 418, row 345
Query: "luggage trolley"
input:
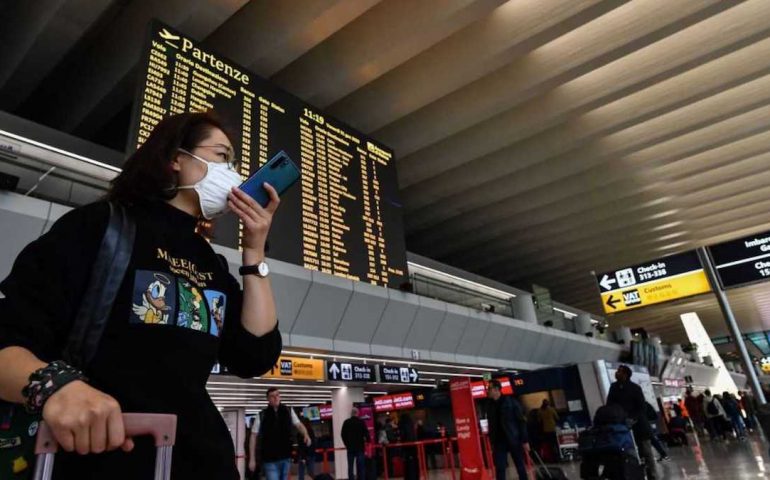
column 161, row 427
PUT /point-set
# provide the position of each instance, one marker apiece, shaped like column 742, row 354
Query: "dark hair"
column 626, row 369
column 495, row 384
column 270, row 390
column 147, row 173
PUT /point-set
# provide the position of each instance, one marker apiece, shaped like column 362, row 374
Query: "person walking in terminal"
column 507, row 431
column 548, row 420
column 355, row 436
column 694, row 405
column 749, row 406
column 407, row 434
column 652, row 417
column 629, row 396
column 176, row 310
column 715, row 416
column 305, row 452
column 733, row 412
column 274, row 432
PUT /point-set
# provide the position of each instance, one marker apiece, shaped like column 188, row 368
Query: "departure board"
column 343, row 217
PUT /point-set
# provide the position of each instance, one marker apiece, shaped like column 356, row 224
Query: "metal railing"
column 439, row 290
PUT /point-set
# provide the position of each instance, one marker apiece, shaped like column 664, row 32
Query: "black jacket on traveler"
column 355, row 434
column 629, row 396
column 507, row 424
column 275, row 433
column 177, row 312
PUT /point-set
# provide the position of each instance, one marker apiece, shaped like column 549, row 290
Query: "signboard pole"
column 736, row 333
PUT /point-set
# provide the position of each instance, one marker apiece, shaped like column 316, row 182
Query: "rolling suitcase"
column 544, row 472
column 161, row 427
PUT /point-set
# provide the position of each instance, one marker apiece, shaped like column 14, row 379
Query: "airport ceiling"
column 537, row 140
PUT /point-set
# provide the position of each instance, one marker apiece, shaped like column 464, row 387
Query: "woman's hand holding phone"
column 256, row 220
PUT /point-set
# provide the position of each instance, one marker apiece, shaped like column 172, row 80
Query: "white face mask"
column 214, row 187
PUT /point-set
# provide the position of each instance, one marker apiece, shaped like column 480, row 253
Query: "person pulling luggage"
column 176, row 312
column 629, row 396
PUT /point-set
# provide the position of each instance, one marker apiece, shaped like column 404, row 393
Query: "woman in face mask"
column 177, row 312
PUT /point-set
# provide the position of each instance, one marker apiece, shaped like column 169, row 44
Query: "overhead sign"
column 350, row 372
column 742, row 261
column 403, row 400
column 383, row 403
column 297, row 368
column 662, row 280
column 674, row 382
column 398, row 374
column 505, row 386
column 398, row 401
column 326, row 412
column 479, row 389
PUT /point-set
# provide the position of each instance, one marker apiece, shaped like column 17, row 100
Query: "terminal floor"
column 733, row 460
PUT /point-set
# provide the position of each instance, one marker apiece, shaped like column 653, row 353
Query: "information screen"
column 343, row 217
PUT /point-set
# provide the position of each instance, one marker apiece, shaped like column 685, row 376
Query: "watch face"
column 263, row 269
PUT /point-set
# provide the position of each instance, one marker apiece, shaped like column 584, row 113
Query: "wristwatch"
column 261, row 270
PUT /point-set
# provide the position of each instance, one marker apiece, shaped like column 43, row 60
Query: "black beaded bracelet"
column 46, row 381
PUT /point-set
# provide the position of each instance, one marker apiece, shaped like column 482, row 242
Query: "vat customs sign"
column 297, row 368
column 662, row 280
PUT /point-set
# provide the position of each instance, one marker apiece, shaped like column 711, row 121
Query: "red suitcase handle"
column 161, row 427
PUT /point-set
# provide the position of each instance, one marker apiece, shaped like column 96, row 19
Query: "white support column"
column 624, row 333
column 583, row 324
column 524, row 308
column 342, row 401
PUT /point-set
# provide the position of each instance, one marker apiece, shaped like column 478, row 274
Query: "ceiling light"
column 673, row 235
column 667, row 225
column 666, row 213
column 671, row 245
column 656, row 201
column 65, row 153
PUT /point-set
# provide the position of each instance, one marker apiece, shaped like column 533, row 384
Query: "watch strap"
column 250, row 270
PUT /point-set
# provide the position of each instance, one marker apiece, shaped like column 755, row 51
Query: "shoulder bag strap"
column 105, row 280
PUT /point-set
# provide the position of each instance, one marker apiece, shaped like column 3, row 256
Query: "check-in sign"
column 662, row 280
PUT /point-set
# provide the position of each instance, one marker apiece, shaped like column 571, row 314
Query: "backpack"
column 711, row 408
column 610, row 415
column 606, row 439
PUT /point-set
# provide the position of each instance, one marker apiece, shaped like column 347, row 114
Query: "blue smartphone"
column 280, row 172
